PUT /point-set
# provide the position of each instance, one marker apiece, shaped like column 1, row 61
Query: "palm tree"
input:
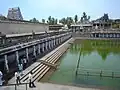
column 88, row 18
column 43, row 20
column 76, row 18
column 84, row 16
column 49, row 20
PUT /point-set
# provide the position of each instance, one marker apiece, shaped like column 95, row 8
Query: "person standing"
column 17, row 77
column 1, row 77
column 24, row 63
column 20, row 66
column 31, row 83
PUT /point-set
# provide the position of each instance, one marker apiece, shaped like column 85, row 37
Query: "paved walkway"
column 46, row 86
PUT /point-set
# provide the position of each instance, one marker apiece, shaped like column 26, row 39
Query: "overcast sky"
column 62, row 8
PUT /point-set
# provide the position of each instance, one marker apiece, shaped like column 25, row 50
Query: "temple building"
column 14, row 13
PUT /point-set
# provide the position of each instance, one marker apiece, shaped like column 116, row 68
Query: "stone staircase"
column 41, row 69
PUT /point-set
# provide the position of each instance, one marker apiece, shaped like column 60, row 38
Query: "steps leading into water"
column 38, row 68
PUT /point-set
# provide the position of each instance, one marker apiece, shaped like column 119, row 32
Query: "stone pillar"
column 59, row 40
column 117, row 35
column 62, row 39
column 103, row 35
column 99, row 35
column 95, row 35
column 107, row 35
column 54, row 41
column 49, row 44
column 17, row 57
column 43, row 47
column 3, row 41
column 27, row 56
column 6, row 63
column 46, row 45
column 114, row 35
column 34, row 51
column 39, row 48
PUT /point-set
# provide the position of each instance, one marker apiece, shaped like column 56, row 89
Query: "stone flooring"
column 46, row 86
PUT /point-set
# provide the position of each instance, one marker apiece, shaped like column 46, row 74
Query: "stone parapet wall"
column 18, row 28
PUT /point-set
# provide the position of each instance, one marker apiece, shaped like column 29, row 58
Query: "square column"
column 34, row 51
column 27, row 55
column 43, row 47
column 59, row 40
column 54, row 42
column 95, row 35
column 39, row 48
column 46, row 45
column 17, row 57
column 50, row 46
column 6, row 63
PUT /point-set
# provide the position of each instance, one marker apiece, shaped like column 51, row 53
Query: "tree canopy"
column 76, row 18
column 34, row 20
column 43, row 20
column 52, row 20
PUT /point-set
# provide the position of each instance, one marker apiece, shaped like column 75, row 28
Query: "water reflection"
column 101, row 47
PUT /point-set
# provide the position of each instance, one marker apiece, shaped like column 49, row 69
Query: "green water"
column 95, row 57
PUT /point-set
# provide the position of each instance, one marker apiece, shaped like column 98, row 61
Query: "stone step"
column 61, row 51
column 39, row 69
column 42, row 74
column 52, row 56
column 25, row 74
column 38, row 66
column 39, row 72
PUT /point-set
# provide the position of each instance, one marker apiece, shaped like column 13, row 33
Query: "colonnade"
column 38, row 48
column 105, row 35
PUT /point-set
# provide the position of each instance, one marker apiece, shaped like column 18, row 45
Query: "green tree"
column 2, row 17
column 56, row 21
column 84, row 16
column 49, row 20
column 69, row 21
column 52, row 21
column 81, row 19
column 88, row 18
column 34, row 20
column 43, row 20
column 63, row 21
column 76, row 18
